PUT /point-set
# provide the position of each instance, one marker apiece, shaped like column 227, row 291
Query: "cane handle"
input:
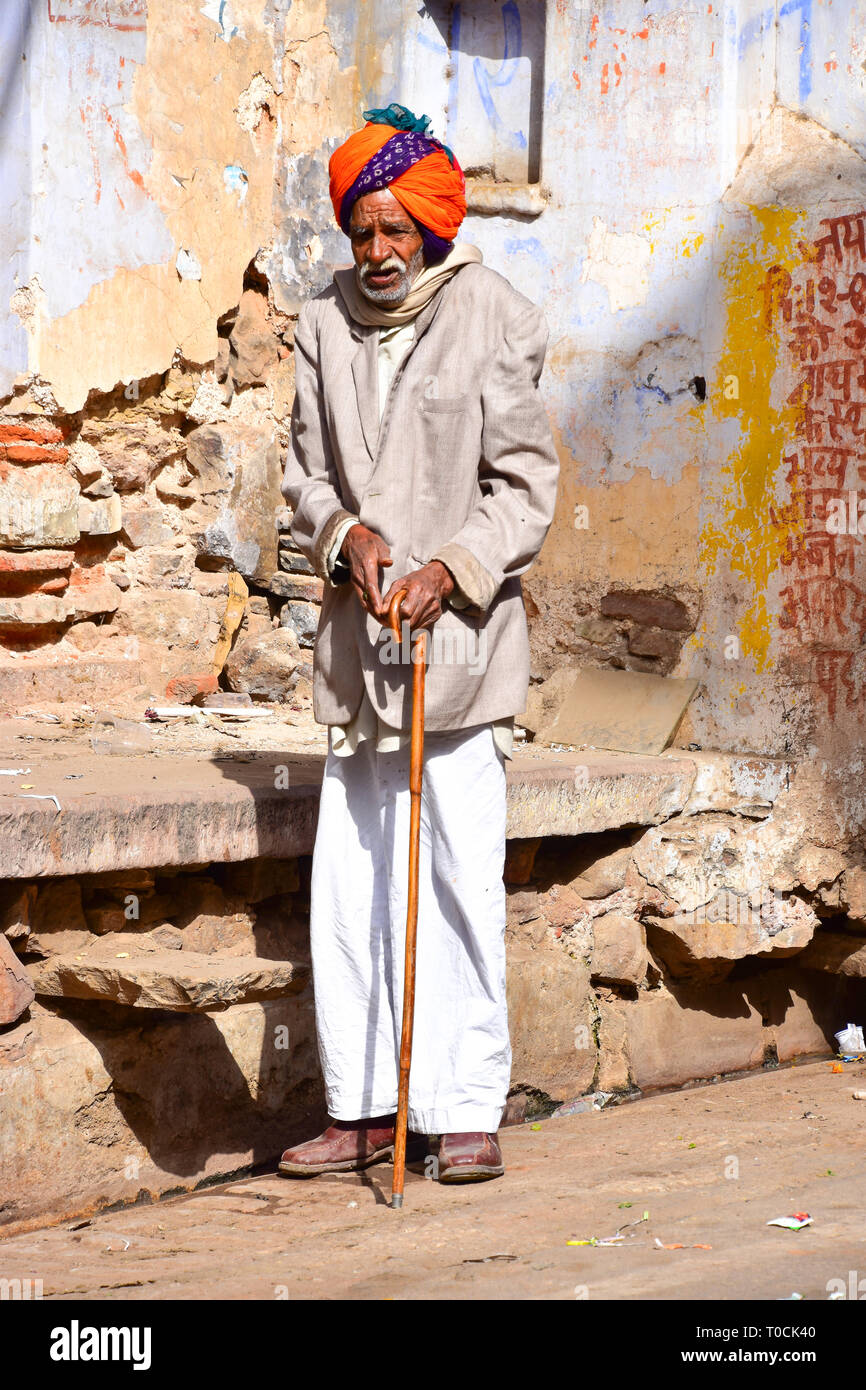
column 394, row 613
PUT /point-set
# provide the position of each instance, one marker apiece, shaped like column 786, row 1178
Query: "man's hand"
column 426, row 589
column 364, row 553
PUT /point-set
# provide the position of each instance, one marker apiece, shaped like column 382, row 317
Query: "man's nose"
column 380, row 249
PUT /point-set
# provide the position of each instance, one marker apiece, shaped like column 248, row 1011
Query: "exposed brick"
column 185, row 689
column 35, row 561
column 643, row 641
column 34, row 453
column 650, row 610
column 56, row 585
column 40, row 434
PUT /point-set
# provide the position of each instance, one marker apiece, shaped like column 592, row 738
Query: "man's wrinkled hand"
column 366, row 553
column 426, row 590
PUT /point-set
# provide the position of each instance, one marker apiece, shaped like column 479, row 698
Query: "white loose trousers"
column 461, row 1056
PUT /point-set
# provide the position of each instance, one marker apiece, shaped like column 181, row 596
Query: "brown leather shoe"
column 347, row 1146
column 469, row 1158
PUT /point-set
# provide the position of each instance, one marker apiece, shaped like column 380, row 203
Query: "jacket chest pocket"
column 446, row 452
column 443, row 405
column 443, row 422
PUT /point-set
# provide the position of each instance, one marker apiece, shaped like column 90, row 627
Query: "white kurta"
column 461, row 1061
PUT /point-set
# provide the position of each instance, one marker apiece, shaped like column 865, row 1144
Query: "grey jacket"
column 462, row 468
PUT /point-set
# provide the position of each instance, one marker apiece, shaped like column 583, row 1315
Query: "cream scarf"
column 421, row 291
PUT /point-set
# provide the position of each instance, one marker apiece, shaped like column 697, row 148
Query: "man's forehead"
column 378, row 207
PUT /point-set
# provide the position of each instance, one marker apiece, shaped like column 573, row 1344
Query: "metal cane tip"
column 396, row 1201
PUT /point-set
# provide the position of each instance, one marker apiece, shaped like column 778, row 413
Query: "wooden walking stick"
column 416, row 766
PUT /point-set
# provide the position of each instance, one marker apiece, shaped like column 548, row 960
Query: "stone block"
column 252, row 342
column 132, row 450
column 16, row 912
column 16, row 987
column 550, row 1018
column 652, row 642
column 598, row 631
column 587, row 792
column 179, row 622
column 100, row 516
column 853, row 893
column 58, row 922
column 45, row 678
column 32, row 610
column 91, row 592
column 695, row 858
column 562, row 906
column 264, row 665
column 237, row 474
column 302, row 619
column 604, row 875
column 689, row 1033
column 745, row 783
column 143, row 524
column 191, row 1097
column 544, row 699
column 296, row 586
column 705, row 944
column 294, row 562
column 619, row 954
column 39, row 506
column 804, row 1008
column 613, row 1051
column 519, row 859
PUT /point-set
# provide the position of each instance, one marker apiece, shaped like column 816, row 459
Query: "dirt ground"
column 710, row 1166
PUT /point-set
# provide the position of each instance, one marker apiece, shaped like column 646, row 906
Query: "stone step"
column 151, row 812
column 31, row 680
column 181, row 981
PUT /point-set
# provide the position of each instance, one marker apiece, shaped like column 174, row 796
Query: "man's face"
column 387, row 247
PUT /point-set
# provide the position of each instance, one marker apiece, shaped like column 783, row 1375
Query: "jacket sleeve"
column 310, row 482
column 518, row 472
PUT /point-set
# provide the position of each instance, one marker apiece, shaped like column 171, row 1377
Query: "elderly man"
column 420, row 446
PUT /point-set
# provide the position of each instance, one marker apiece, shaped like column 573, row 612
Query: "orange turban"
column 394, row 151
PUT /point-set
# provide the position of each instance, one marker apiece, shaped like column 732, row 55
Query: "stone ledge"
column 181, row 981
column 151, row 812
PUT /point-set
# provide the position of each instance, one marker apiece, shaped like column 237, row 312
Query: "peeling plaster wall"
column 133, row 129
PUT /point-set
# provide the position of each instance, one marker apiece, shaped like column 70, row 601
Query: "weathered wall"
column 678, row 154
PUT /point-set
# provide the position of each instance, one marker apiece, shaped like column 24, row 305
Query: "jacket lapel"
column 365, row 372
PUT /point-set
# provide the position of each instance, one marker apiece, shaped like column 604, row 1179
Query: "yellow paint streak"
column 740, row 529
